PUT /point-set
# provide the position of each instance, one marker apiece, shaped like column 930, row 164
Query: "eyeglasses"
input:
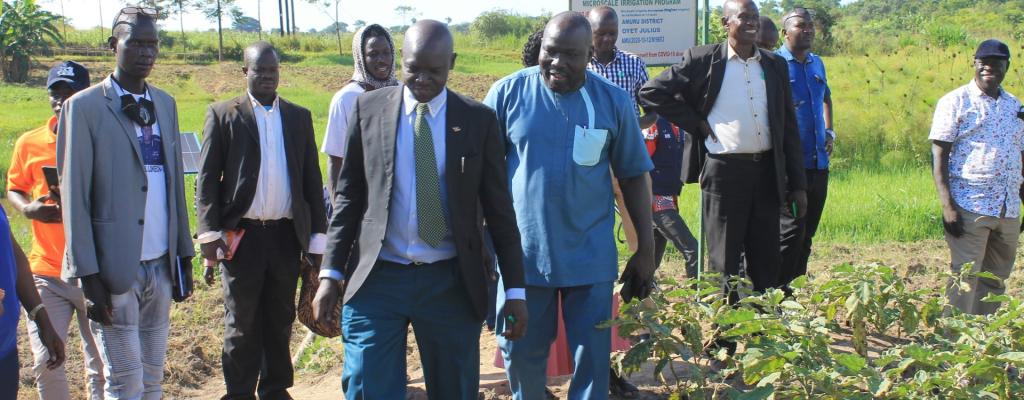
column 134, row 10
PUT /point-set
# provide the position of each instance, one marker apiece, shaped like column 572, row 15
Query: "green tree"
column 214, row 11
column 243, row 23
column 335, row 5
column 359, row 24
column 25, row 29
column 405, row 12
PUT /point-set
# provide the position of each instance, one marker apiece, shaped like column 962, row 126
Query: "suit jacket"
column 103, row 186
column 230, row 168
column 363, row 192
column 685, row 93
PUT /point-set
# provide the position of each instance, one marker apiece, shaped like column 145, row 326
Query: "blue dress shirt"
column 402, row 242
column 810, row 89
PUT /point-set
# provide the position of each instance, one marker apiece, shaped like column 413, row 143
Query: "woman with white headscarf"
column 373, row 55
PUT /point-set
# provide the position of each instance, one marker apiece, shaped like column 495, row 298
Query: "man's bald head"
column 428, row 55
column 602, row 14
column 257, row 50
column 733, row 7
column 568, row 23
column 565, row 52
column 428, row 35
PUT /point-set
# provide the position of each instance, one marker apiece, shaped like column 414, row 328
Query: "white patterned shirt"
column 626, row 71
column 985, row 162
column 739, row 117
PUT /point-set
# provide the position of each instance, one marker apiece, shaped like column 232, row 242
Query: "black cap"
column 992, row 49
column 71, row 72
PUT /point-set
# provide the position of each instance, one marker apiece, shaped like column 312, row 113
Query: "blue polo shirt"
column 8, row 277
column 810, row 88
column 565, row 208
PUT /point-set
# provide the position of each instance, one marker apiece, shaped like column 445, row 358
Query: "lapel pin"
column 456, row 129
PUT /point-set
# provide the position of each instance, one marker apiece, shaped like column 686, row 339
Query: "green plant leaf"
column 760, row 393
column 852, row 362
column 736, row 316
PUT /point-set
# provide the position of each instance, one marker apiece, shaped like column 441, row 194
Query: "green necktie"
column 432, row 226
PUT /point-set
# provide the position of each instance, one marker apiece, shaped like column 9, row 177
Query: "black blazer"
column 363, row 192
column 685, row 93
column 230, row 167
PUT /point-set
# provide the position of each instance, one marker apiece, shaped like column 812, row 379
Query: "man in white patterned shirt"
column 977, row 138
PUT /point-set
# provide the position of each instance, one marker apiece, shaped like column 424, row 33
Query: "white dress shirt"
column 337, row 119
column 739, row 117
column 273, row 197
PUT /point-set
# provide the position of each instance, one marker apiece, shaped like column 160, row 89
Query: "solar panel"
column 190, row 150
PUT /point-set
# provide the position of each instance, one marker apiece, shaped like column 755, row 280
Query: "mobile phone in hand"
column 52, row 181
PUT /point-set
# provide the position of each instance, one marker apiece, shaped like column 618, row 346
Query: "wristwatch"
column 831, row 133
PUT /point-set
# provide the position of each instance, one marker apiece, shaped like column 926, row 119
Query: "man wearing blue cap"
column 977, row 139
column 38, row 200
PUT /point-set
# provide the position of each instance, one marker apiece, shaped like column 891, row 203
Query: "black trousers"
column 741, row 213
column 259, row 309
column 797, row 233
column 669, row 226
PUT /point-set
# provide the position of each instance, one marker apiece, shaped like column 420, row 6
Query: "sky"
column 87, row 13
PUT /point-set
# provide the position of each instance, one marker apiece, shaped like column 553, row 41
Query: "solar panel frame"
column 190, row 152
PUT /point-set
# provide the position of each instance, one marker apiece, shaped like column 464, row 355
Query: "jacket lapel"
column 244, row 108
column 168, row 135
column 770, row 86
column 715, row 76
column 127, row 126
column 392, row 111
column 453, row 123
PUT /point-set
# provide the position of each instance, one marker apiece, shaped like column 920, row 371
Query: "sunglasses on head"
column 801, row 12
column 134, row 10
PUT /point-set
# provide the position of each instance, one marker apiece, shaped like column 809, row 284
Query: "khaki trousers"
column 991, row 244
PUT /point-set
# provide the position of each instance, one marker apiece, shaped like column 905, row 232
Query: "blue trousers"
column 375, row 322
column 9, row 380
column 583, row 308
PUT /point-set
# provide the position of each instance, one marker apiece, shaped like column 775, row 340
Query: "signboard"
column 659, row 31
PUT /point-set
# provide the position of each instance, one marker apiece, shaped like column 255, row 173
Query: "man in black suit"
column 423, row 164
column 734, row 101
column 260, row 186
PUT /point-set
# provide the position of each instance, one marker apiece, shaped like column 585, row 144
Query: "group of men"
column 419, row 172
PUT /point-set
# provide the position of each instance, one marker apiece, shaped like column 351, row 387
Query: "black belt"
column 262, row 223
column 755, row 157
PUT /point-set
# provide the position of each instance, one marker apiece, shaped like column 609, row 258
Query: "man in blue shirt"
column 568, row 129
column 813, row 101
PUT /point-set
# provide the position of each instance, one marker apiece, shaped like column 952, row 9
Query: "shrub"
column 903, row 343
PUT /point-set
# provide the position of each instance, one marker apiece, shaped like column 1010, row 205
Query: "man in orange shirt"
column 30, row 193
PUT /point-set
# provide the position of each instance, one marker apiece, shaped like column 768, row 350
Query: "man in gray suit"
column 124, row 208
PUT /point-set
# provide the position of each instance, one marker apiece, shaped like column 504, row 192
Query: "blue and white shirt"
column 810, row 89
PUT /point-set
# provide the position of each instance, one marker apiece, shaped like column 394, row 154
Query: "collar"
column 615, row 57
column 121, row 91
column 257, row 105
column 436, row 104
column 975, row 91
column 52, row 124
column 731, row 53
column 788, row 55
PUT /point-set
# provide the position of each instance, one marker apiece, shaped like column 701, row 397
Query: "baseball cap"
column 994, row 49
column 71, row 72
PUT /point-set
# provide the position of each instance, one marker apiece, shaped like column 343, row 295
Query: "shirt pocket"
column 587, row 146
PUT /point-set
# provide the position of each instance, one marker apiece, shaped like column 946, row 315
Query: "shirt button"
column 141, row 221
column 144, row 188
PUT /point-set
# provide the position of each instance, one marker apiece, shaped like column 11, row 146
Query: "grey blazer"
column 103, row 186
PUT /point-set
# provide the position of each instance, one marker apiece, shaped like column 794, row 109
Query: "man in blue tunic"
column 565, row 127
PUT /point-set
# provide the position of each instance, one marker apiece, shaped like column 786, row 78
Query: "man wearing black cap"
column 977, row 138
column 38, row 200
